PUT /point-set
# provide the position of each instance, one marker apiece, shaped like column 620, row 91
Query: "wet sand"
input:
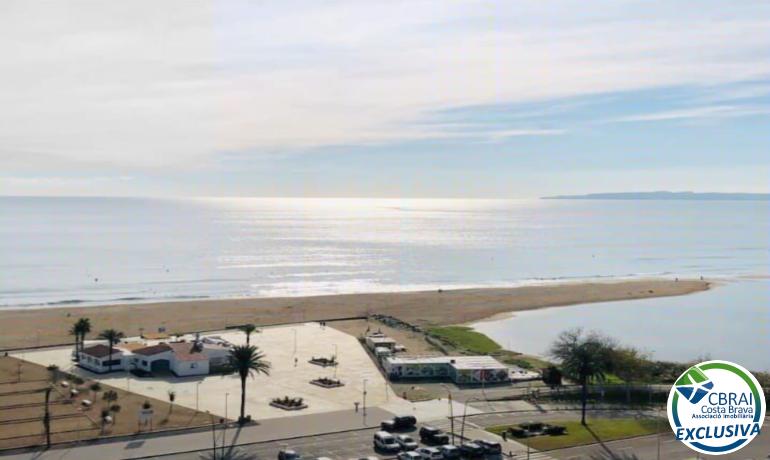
column 38, row 327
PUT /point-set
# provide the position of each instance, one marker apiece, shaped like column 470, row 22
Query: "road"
column 271, row 429
column 310, row 436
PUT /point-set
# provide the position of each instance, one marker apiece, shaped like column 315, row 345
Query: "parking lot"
column 347, row 445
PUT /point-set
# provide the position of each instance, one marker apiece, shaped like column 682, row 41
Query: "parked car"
column 432, row 435
column 386, row 442
column 450, row 452
column 288, row 454
column 490, row 447
column 399, row 422
column 430, row 453
column 407, row 442
column 409, row 455
column 471, row 450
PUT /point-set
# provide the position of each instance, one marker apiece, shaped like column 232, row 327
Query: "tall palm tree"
column 110, row 396
column 583, row 358
column 74, row 332
column 112, row 337
column 80, row 329
column 171, row 399
column 248, row 329
column 247, row 360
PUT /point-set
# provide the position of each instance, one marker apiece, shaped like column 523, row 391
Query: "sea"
column 69, row 251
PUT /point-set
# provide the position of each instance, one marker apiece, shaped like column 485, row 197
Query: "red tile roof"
column 185, row 351
column 99, row 350
column 153, row 349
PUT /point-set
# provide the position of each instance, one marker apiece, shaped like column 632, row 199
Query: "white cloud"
column 706, row 112
column 169, row 84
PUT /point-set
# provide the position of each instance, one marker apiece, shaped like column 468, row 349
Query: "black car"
column 490, row 447
column 399, row 422
column 434, row 436
column 471, row 450
column 288, row 454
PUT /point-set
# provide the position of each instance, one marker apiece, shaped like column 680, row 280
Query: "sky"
column 431, row 98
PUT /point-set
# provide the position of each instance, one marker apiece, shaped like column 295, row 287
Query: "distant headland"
column 663, row 195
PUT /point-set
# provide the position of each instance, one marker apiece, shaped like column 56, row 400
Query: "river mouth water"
column 729, row 322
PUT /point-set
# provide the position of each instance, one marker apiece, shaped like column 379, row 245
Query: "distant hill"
column 665, row 196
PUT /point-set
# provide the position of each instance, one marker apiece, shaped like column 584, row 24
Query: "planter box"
column 327, row 385
column 281, row 406
column 322, row 363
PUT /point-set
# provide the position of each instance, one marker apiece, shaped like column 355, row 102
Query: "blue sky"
column 421, row 98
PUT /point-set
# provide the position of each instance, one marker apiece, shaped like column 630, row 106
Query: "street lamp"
column 465, row 412
column 451, row 413
column 336, row 361
column 197, row 391
column 657, row 428
column 364, row 399
column 224, row 427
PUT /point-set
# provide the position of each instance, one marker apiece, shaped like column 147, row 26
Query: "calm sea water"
column 731, row 322
column 57, row 251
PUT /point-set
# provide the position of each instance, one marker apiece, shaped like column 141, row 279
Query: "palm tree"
column 171, row 399
column 95, row 388
column 247, row 360
column 74, row 332
column 248, row 329
column 115, row 408
column 104, row 414
column 110, row 396
column 80, row 329
column 112, row 337
column 583, row 358
column 53, row 372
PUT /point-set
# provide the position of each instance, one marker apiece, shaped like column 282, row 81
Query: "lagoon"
column 730, row 322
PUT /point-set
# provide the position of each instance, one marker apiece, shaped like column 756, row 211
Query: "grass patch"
column 521, row 360
column 465, row 338
column 601, row 429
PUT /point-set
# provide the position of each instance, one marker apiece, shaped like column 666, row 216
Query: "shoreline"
column 48, row 326
column 531, row 282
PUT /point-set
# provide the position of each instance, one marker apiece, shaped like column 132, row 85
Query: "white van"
column 386, row 442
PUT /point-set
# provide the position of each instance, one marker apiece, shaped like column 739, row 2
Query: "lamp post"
column 465, row 412
column 451, row 413
column 224, row 427
column 364, row 400
column 336, row 361
column 657, row 428
column 213, row 435
column 197, row 393
column 47, row 418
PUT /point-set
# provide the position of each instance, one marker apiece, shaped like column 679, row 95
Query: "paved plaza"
column 220, row 395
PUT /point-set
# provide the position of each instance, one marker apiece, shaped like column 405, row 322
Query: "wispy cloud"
column 508, row 133
column 147, row 84
column 705, row 112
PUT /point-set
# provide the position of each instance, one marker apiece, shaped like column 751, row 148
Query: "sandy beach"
column 37, row 327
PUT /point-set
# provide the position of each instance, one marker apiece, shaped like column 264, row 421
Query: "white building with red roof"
column 182, row 359
column 97, row 358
